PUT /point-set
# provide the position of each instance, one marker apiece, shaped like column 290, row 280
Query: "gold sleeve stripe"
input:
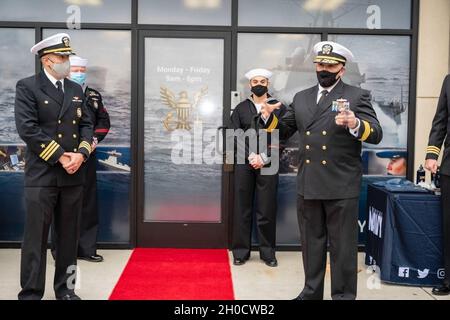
column 433, row 148
column 51, row 152
column 85, row 145
column 88, row 146
column 366, row 132
column 273, row 124
column 47, row 149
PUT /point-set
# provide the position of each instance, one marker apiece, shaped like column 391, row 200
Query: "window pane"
column 286, row 55
column 109, row 72
column 107, row 11
column 388, row 81
column 374, row 14
column 16, row 62
column 183, row 106
column 188, row 12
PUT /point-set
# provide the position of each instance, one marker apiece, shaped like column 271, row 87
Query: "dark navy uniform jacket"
column 330, row 165
column 440, row 129
column 51, row 126
column 102, row 122
column 245, row 117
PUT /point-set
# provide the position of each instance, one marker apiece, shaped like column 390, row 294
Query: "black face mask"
column 327, row 79
column 259, row 90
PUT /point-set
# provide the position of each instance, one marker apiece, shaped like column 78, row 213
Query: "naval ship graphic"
column 297, row 72
column 111, row 163
column 394, row 108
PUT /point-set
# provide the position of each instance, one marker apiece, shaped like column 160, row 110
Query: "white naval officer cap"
column 329, row 52
column 259, row 72
column 77, row 61
column 58, row 44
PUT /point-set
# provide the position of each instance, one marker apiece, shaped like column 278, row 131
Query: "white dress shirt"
column 329, row 89
column 354, row 132
column 258, row 107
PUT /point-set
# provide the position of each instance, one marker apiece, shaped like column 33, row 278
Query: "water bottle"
column 420, row 177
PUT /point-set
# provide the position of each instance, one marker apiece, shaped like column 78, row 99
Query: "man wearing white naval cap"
column 249, row 182
column 52, row 119
column 333, row 119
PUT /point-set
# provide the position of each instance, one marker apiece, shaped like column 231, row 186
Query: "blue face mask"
column 78, row 77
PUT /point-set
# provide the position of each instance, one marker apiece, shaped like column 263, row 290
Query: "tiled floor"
column 254, row 280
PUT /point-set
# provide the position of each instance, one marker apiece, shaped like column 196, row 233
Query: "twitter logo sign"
column 421, row 274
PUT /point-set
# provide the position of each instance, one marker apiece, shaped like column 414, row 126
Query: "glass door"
column 183, row 78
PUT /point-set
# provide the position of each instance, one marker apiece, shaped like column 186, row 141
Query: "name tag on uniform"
column 76, row 99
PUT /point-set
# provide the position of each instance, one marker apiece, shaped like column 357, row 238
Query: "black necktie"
column 60, row 91
column 323, row 94
column 59, row 86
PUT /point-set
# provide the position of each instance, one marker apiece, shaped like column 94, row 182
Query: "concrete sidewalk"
column 254, row 280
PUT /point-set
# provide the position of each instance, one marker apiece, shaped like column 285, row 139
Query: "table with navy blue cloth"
column 404, row 236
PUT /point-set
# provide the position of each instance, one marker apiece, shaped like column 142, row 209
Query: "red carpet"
column 175, row 274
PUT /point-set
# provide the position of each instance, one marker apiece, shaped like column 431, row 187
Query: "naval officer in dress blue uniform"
column 333, row 119
column 52, row 118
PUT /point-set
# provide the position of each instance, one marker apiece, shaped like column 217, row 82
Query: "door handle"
column 222, row 149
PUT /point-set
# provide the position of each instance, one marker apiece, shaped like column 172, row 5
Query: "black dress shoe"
column 239, row 261
column 442, row 290
column 72, row 296
column 271, row 262
column 92, row 258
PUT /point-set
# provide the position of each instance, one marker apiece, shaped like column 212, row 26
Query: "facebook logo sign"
column 403, row 272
